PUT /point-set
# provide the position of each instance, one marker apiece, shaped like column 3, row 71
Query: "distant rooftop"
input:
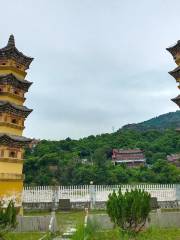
column 128, row 155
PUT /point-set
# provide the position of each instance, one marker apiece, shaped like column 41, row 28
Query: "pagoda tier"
column 10, row 79
column 11, row 108
column 13, row 61
column 11, row 52
column 12, row 118
column 176, row 73
column 14, row 141
column 176, row 100
column 175, row 51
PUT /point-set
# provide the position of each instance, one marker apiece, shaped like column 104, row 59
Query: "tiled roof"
column 174, row 49
column 13, row 140
column 124, row 151
column 176, row 100
column 175, row 72
column 128, row 154
column 13, row 108
column 10, row 51
column 11, row 79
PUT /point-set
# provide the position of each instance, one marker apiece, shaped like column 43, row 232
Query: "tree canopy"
column 80, row 161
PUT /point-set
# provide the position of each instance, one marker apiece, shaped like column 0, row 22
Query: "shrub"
column 129, row 211
column 7, row 218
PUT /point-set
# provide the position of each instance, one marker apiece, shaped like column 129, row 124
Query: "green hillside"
column 162, row 122
column 62, row 162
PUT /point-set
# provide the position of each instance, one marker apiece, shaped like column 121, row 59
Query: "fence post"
column 178, row 193
column 92, row 195
column 55, row 198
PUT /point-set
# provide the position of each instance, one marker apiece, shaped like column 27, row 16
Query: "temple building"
column 129, row 157
column 13, row 87
column 174, row 159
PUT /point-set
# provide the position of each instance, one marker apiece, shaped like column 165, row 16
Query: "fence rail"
column 84, row 193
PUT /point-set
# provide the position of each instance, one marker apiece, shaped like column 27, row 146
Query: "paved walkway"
column 67, row 235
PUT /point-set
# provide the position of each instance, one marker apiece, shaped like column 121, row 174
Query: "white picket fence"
column 83, row 193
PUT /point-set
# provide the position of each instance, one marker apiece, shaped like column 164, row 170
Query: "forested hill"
column 162, row 122
column 89, row 159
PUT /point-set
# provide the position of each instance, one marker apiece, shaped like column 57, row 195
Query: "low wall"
column 35, row 223
column 41, row 206
column 160, row 219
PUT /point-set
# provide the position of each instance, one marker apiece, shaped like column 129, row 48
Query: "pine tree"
column 129, row 211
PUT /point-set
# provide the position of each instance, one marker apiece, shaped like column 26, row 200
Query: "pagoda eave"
column 175, row 73
column 174, row 49
column 14, row 53
column 14, row 141
column 14, row 81
column 176, row 100
column 6, row 106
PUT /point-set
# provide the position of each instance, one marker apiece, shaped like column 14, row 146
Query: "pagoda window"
column 14, row 121
column 12, row 154
column 3, row 63
column 2, row 153
column 16, row 92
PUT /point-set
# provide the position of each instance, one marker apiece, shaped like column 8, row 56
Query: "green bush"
column 129, row 211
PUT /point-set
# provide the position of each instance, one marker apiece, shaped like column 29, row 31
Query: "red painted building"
column 130, row 157
column 174, row 159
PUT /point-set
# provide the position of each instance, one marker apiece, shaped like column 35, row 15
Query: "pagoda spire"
column 11, row 41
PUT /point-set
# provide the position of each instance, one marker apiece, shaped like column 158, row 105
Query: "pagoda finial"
column 11, row 41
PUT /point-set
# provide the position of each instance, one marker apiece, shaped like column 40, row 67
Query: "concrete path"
column 67, row 235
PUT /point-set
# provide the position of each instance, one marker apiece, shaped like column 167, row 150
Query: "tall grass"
column 91, row 233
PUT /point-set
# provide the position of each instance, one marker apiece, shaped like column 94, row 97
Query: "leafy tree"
column 67, row 156
column 129, row 211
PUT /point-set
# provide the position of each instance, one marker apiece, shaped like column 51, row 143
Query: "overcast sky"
column 97, row 64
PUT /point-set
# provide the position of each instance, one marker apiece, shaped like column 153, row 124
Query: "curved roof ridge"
column 15, row 137
column 11, row 75
column 18, row 107
column 11, row 49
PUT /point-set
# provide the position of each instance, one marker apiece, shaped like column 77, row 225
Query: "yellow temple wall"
column 11, row 99
column 6, row 118
column 10, row 89
column 11, row 130
column 5, row 153
column 20, row 75
column 11, row 188
column 7, row 167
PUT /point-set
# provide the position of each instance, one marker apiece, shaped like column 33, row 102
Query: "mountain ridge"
column 161, row 122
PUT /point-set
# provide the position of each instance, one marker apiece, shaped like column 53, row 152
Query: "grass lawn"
column 24, row 236
column 76, row 218
column 150, row 234
column 69, row 219
column 64, row 220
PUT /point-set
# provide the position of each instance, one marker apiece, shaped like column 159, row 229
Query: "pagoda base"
column 11, row 190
